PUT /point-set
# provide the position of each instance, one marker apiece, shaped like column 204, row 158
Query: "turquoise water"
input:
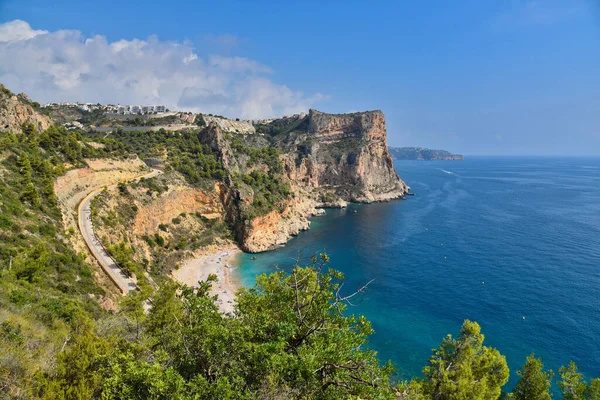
column 527, row 227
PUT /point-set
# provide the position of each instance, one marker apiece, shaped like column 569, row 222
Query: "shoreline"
column 222, row 264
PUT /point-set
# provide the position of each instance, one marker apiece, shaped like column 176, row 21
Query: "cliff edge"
column 345, row 154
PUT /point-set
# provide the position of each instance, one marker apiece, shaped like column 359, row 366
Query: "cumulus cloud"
column 17, row 30
column 66, row 66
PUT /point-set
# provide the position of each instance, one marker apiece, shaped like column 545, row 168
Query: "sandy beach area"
column 221, row 264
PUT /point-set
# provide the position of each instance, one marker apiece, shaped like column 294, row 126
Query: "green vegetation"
column 195, row 161
column 290, row 339
column 45, row 287
column 574, row 387
column 145, row 120
column 269, row 190
column 267, row 155
column 122, row 253
column 328, row 197
column 283, row 126
column 463, row 368
column 152, row 186
column 6, row 91
column 534, row 383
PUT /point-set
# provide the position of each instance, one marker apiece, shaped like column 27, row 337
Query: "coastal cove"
column 510, row 242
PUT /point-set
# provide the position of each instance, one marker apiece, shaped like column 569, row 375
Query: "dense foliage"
column 269, row 191
column 283, row 126
column 196, row 161
column 290, row 338
column 44, row 286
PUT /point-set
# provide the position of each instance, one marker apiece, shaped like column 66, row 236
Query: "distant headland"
column 420, row 153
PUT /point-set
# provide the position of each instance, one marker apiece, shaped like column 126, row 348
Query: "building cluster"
column 73, row 125
column 111, row 108
column 136, row 109
column 81, row 106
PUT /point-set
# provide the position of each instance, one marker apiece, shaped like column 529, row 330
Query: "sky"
column 476, row 77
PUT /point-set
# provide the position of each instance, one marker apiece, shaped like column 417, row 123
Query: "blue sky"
column 475, row 77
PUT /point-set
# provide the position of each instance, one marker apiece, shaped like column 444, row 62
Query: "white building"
column 135, row 109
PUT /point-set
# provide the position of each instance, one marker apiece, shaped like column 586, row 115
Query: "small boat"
column 253, row 258
column 410, row 194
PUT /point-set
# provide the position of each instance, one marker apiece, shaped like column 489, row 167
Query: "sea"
column 510, row 242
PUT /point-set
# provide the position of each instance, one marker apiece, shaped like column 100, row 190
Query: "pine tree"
column 30, row 194
column 463, row 368
column 24, row 165
column 571, row 385
column 534, row 383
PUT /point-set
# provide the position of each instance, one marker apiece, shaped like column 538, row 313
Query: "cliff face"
column 323, row 160
column 16, row 110
column 346, row 153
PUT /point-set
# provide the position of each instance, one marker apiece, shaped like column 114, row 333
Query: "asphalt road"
column 110, row 267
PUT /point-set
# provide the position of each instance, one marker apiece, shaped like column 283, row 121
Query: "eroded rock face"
column 18, row 110
column 273, row 229
column 177, row 200
column 349, row 153
column 328, row 160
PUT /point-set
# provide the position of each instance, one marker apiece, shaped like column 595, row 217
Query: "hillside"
column 270, row 183
column 18, row 110
column 420, row 153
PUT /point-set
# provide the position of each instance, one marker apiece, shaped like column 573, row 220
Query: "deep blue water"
column 527, row 227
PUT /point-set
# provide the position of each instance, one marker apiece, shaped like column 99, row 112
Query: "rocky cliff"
column 283, row 175
column 344, row 153
column 16, row 110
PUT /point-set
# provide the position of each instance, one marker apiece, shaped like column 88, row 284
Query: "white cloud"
column 66, row 66
column 17, row 30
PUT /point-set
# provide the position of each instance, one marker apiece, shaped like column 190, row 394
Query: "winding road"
column 86, row 227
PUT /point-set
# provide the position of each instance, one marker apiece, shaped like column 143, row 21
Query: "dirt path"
column 84, row 221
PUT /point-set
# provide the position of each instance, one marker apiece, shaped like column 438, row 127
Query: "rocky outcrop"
column 275, row 228
column 179, row 199
column 327, row 160
column 16, row 110
column 228, row 125
column 346, row 153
